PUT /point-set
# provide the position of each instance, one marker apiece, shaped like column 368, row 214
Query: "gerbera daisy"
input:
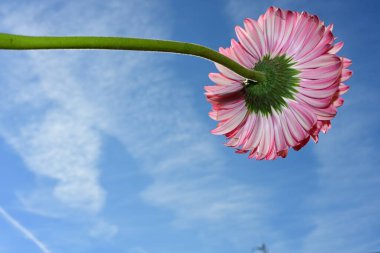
column 301, row 93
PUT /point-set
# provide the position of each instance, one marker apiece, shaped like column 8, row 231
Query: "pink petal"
column 346, row 74
column 321, row 61
column 255, row 32
column 285, row 130
column 346, row 62
column 325, row 113
column 338, row 102
column 302, row 33
column 231, row 124
column 322, row 83
column 221, row 79
column 241, row 54
column 336, row 48
column 323, row 46
column 227, row 114
column 294, row 126
column 304, row 116
column 255, row 136
column 278, row 133
column 247, row 42
column 291, row 20
column 269, row 28
column 266, row 138
column 343, row 88
column 314, row 102
column 313, row 39
column 222, row 89
column 323, row 93
column 322, row 72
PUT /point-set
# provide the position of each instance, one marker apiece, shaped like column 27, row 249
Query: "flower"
column 301, row 93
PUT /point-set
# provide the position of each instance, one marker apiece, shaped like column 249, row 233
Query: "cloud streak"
column 61, row 115
column 27, row 233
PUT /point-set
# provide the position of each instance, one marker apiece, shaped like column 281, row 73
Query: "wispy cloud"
column 27, row 233
column 240, row 9
column 102, row 229
column 60, row 114
column 346, row 209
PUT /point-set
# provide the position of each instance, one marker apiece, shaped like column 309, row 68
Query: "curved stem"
column 20, row 42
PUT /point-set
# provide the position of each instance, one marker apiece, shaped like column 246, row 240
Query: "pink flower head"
column 304, row 81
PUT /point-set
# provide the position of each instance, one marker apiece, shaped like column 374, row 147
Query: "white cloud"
column 240, row 9
column 53, row 112
column 103, row 229
column 204, row 199
column 27, row 233
column 346, row 207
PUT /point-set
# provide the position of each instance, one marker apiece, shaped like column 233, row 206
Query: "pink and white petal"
column 338, row 102
column 312, row 43
column 304, row 116
column 326, row 125
column 314, row 102
column 294, row 126
column 301, row 144
column 231, row 123
column 323, row 46
column 279, row 27
column 290, row 140
column 330, row 27
column 346, row 74
column 225, row 106
column 322, row 72
column 244, row 58
column 227, row 114
column 247, row 42
column 226, row 71
column 316, row 52
column 303, row 28
column 291, row 21
column 266, row 138
column 343, row 88
column 325, row 113
column 220, row 101
column 255, row 32
column 283, row 153
column 222, row 89
column 311, row 38
column 246, row 131
column 221, row 79
column 254, row 155
column 321, row 61
column 346, row 62
column 254, row 138
column 279, row 138
column 233, row 138
column 322, row 83
column 229, row 73
column 269, row 28
column 336, row 48
column 323, row 93
column 271, row 152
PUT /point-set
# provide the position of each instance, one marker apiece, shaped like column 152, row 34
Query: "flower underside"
column 280, row 84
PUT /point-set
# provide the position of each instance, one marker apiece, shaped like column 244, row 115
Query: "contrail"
column 23, row 230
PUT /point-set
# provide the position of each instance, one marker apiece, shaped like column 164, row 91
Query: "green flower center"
column 280, row 83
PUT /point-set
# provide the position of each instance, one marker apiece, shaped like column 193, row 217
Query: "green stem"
column 19, row 42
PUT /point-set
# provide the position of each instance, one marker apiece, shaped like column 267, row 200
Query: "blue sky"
column 112, row 151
